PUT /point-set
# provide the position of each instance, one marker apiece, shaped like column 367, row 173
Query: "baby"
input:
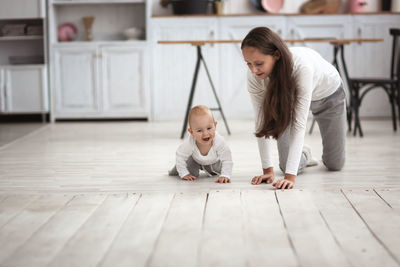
column 204, row 150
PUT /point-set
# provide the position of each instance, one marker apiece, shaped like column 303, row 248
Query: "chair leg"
column 393, row 104
column 349, row 117
column 394, row 120
column 398, row 100
column 356, row 107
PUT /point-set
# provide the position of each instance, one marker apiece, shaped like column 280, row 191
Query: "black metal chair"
column 359, row 87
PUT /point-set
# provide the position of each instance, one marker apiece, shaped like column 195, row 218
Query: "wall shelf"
column 21, row 38
column 95, row 43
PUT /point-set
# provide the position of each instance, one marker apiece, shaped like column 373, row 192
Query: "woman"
column 284, row 84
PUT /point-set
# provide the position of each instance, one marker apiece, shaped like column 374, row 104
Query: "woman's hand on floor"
column 265, row 178
column 223, row 180
column 190, row 177
column 286, row 183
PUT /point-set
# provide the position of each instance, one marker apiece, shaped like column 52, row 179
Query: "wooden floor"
column 97, row 194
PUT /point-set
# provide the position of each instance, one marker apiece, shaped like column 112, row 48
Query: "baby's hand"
column 190, row 177
column 223, row 180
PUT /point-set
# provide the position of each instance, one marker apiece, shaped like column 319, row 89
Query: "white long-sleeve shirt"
column 316, row 79
column 218, row 151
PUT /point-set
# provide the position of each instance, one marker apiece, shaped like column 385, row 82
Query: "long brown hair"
column 280, row 96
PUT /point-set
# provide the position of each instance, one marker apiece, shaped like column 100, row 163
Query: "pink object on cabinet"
column 272, row 6
column 66, row 32
column 356, row 6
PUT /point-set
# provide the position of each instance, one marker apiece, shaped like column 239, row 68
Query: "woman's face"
column 260, row 64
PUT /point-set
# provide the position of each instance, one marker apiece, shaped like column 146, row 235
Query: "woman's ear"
column 277, row 55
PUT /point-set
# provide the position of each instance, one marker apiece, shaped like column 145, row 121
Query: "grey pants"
column 330, row 114
column 194, row 168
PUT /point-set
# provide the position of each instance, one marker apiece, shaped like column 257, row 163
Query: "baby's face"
column 202, row 127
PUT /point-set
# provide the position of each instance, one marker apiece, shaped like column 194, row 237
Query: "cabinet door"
column 173, row 65
column 122, row 72
column 76, row 85
column 26, row 89
column 21, row 9
column 233, row 83
column 310, row 27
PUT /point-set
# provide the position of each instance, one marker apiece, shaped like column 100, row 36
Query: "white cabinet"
column 174, row 65
column 23, row 69
column 22, row 9
column 100, row 80
column 23, row 89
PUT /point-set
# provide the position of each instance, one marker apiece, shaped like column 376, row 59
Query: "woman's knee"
column 336, row 165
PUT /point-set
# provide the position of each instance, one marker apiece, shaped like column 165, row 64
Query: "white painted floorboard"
column 311, row 238
column 268, row 242
column 88, row 245
column 138, row 236
column 380, row 218
column 222, row 242
column 350, row 232
column 179, row 241
column 18, row 230
column 98, row 194
column 43, row 246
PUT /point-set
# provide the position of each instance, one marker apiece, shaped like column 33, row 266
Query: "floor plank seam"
column 287, row 232
column 387, row 203
column 199, row 247
column 101, row 261
column 244, row 230
column 334, row 238
column 148, row 261
column 371, row 231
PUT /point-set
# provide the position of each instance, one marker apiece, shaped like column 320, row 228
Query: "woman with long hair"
column 284, row 84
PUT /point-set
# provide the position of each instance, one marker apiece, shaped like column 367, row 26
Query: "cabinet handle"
column 359, row 32
column 292, row 32
column 279, row 32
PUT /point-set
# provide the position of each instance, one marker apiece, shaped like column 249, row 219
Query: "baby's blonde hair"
column 199, row 111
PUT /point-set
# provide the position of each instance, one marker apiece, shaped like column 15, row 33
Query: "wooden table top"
column 316, row 40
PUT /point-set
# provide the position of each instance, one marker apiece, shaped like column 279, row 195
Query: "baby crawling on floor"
column 204, row 150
